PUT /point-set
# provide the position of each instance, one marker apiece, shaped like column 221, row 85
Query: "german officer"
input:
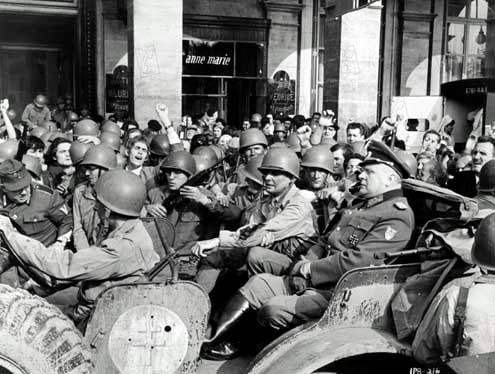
column 356, row 237
column 36, row 210
column 123, row 256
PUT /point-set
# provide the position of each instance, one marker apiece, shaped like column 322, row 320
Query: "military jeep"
column 358, row 332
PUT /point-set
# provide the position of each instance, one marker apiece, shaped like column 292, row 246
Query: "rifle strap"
column 459, row 319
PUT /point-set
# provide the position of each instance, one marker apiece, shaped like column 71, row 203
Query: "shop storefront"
column 224, row 67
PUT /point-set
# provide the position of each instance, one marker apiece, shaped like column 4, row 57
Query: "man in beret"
column 35, row 210
column 382, row 221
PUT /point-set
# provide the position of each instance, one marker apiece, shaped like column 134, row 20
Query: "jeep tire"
column 36, row 338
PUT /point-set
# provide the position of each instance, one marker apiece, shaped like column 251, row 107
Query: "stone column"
column 155, row 57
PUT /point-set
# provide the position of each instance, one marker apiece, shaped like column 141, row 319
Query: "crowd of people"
column 281, row 201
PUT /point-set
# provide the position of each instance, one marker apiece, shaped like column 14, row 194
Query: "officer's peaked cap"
column 380, row 153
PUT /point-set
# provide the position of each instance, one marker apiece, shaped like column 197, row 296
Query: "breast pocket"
column 356, row 230
column 34, row 223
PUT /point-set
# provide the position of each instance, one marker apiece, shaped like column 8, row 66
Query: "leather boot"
column 235, row 309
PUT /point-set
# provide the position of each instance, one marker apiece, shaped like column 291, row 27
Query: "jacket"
column 34, row 117
column 124, row 256
column 45, row 217
column 86, row 219
column 359, row 236
column 287, row 217
column 192, row 221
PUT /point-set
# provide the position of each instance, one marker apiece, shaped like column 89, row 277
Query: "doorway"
column 36, row 56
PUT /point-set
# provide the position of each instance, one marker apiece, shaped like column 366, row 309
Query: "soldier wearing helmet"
column 96, row 162
column 280, row 228
column 317, row 169
column 36, row 209
column 279, row 132
column 252, row 143
column 382, row 222
column 123, row 253
column 181, row 204
column 468, row 300
column 36, row 112
column 159, row 149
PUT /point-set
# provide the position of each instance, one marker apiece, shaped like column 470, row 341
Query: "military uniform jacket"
column 192, row 221
column 34, row 117
column 289, row 216
column 86, row 218
column 44, row 218
column 124, row 256
column 359, row 236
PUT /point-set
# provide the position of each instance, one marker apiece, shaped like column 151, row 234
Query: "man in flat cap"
column 35, row 210
column 382, row 221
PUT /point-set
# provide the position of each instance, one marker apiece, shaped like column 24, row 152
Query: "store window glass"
column 249, row 59
column 466, row 39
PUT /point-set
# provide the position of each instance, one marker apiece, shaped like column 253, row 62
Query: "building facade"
column 232, row 57
column 383, row 51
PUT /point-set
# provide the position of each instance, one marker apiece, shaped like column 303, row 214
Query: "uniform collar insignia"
column 386, row 196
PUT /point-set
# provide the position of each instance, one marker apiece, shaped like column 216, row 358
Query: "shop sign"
column 282, row 94
column 201, row 57
column 117, row 90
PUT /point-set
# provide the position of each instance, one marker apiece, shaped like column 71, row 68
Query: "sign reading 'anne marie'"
column 201, row 57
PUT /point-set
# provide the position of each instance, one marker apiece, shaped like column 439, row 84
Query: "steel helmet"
column 32, row 164
column 12, row 114
column 251, row 137
column 281, row 159
column 280, row 127
column 72, row 117
column 40, row 101
column 318, row 157
column 110, row 139
column 483, row 252
column 100, row 155
column 49, row 125
column 293, row 142
column 202, row 163
column 487, row 177
column 110, row 126
column 409, row 160
column 180, row 160
column 251, row 169
column 78, row 150
column 39, row 131
column 8, row 149
column 121, row 192
column 218, row 151
column 206, row 152
column 86, row 127
column 160, row 145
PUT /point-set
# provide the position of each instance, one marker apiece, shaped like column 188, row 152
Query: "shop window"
column 249, row 59
column 465, row 39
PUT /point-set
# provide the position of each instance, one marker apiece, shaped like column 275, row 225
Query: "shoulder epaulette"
column 43, row 188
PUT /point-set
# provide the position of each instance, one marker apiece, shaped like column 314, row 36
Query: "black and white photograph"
column 247, row 186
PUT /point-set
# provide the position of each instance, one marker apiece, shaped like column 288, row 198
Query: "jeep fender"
column 313, row 348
